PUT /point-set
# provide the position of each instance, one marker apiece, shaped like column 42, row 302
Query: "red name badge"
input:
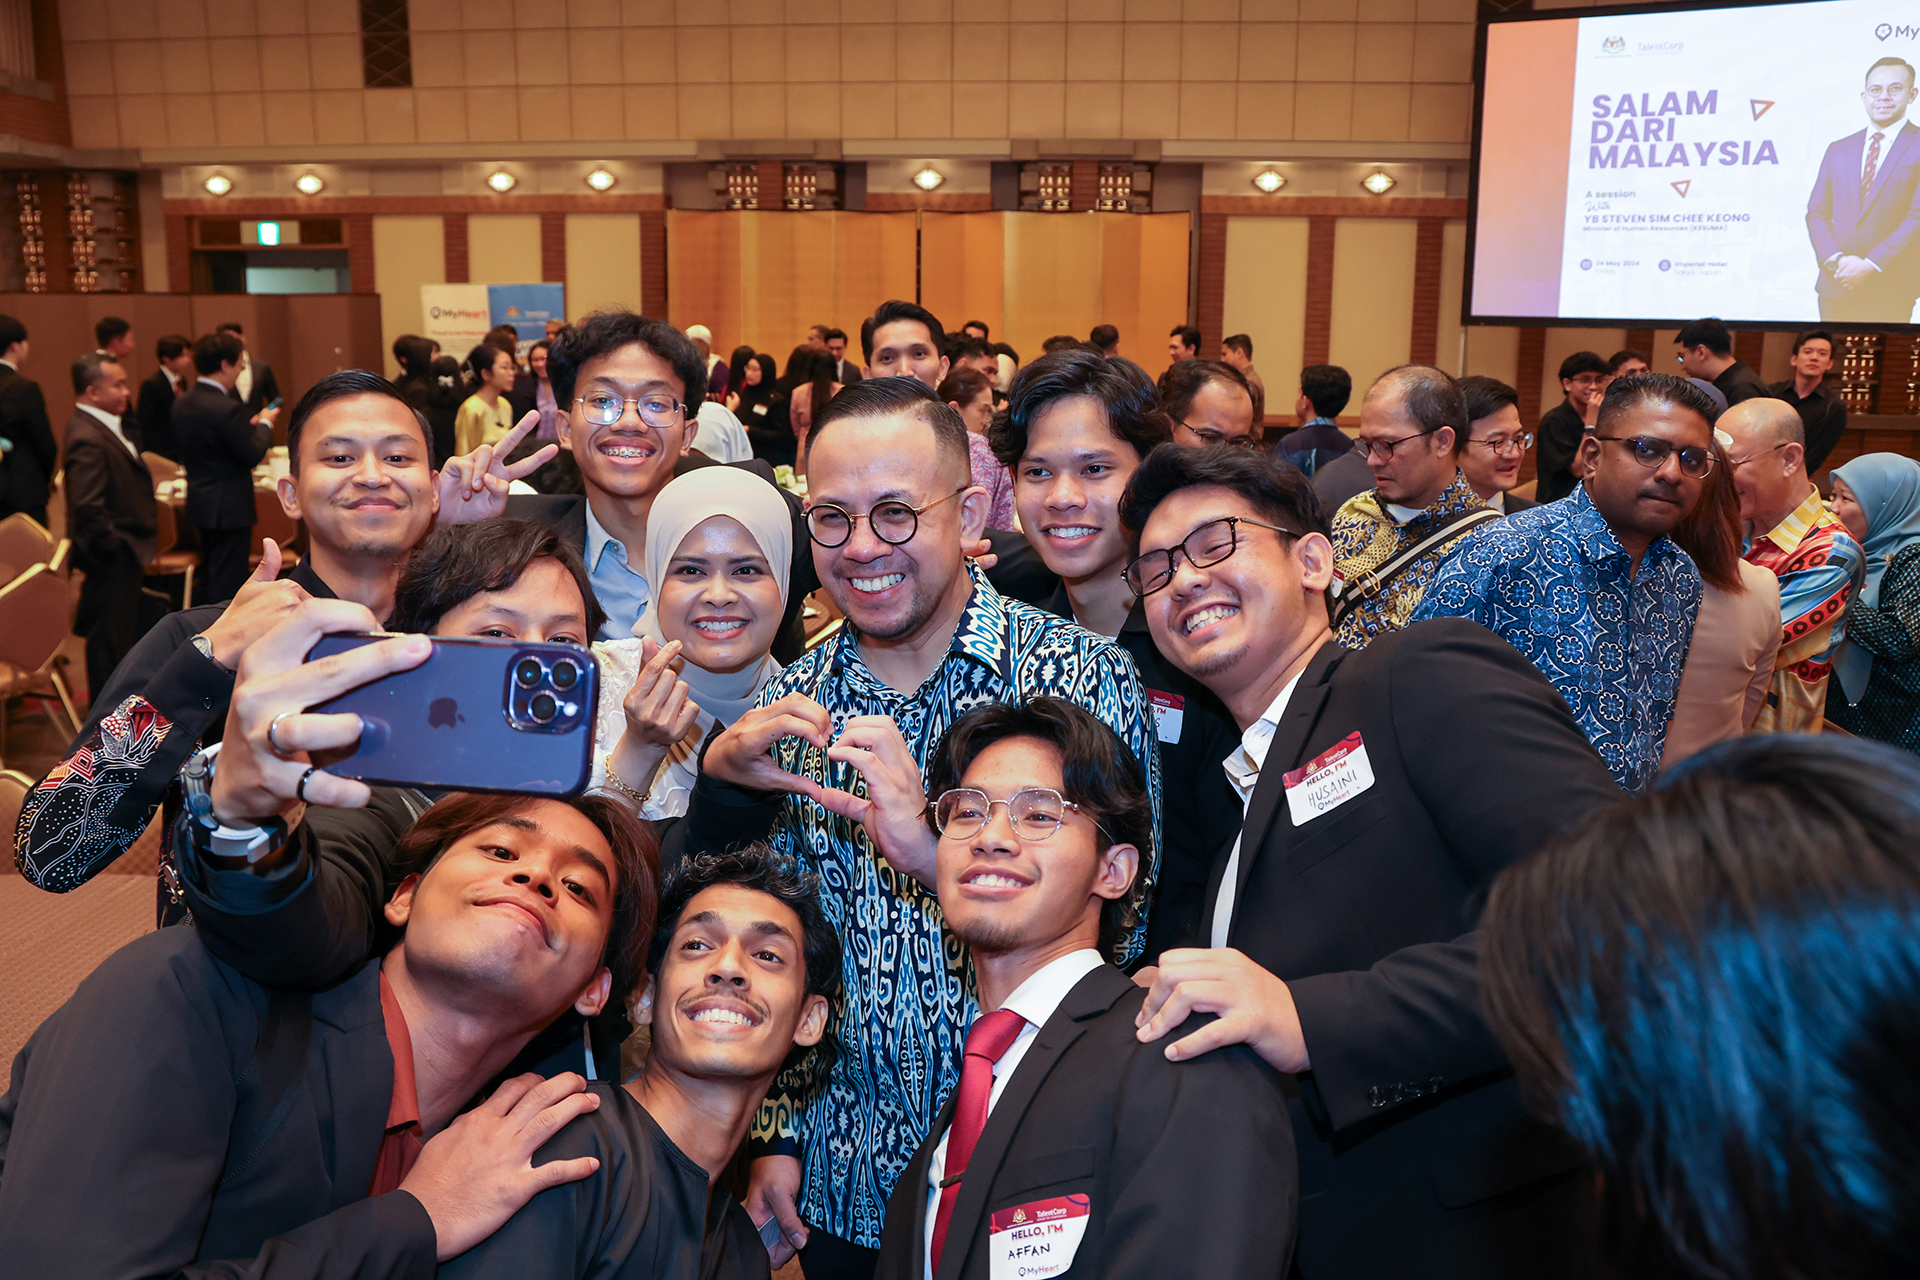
column 1038, row 1239
column 1169, row 709
column 1328, row 781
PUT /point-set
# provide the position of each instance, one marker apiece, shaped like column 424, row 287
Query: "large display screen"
column 1757, row 163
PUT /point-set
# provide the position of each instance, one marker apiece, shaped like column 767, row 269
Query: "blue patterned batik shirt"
column 909, row 997
column 1555, row 583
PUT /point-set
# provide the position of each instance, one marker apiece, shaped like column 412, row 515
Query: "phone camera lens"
column 565, row 674
column 542, row 707
column 527, row 672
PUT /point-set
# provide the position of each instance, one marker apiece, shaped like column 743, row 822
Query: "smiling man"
column 1591, row 589
column 1042, row 814
column 1860, row 214
column 1495, row 443
column 903, row 340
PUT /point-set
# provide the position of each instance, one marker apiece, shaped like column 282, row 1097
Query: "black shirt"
column 1738, row 382
column 1560, row 434
column 1823, row 414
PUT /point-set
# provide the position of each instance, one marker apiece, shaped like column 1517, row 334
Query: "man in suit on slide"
column 1861, row 216
column 1070, row 1149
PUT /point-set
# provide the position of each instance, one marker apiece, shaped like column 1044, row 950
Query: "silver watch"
column 205, row 646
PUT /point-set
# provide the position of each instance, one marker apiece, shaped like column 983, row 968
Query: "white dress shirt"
column 1243, row 773
column 243, row 387
column 1866, row 149
column 111, row 422
column 1035, row 1000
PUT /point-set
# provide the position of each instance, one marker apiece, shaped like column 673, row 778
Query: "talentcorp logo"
column 1586, row 264
column 1666, row 264
column 1613, row 46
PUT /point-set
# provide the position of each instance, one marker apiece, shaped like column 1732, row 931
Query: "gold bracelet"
column 615, row 781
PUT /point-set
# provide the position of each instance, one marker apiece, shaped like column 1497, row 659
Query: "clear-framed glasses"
column 1207, row 545
column 1755, row 457
column 1383, row 449
column 1034, row 813
column 657, row 410
column 1207, row 435
column 1653, row 453
column 1505, row 446
column 893, row 522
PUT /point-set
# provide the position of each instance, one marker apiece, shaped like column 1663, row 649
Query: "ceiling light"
column 1269, row 180
column 502, row 181
column 309, row 184
column 928, row 178
column 1379, row 182
column 218, row 184
column 601, row 180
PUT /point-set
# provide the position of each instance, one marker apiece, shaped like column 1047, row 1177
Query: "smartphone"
column 477, row 715
column 275, row 403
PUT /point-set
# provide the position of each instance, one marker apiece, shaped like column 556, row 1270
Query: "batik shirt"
column 908, row 990
column 1555, row 583
column 1815, row 559
column 1366, row 535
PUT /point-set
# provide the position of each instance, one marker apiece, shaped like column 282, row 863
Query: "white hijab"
column 681, row 506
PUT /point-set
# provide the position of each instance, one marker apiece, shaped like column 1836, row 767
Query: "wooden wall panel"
column 1371, row 325
column 961, row 269
column 1266, row 298
column 1143, row 283
column 873, row 261
column 1052, row 278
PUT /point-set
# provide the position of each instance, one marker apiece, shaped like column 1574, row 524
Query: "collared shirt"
column 1498, row 502
column 1243, row 775
column 11, row 365
column 1867, row 152
column 1555, row 583
column 1815, row 558
column 243, row 385
column 215, row 383
column 1035, row 1000
column 1367, row 534
column 1738, row 382
column 111, row 422
column 401, row 1147
column 907, row 997
column 620, row 588
column 1822, row 413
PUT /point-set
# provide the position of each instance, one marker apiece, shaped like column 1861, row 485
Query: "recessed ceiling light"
column 502, row 181
column 928, row 178
column 601, row 180
column 1269, row 180
column 1379, row 182
column 218, row 184
column 309, row 184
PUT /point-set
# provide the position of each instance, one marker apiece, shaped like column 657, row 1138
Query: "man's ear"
column 1793, row 457
column 1314, row 555
column 399, row 907
column 564, row 425
column 1443, row 441
column 1587, row 456
column 289, row 496
column 973, row 514
column 642, row 1013
column 813, row 1022
column 945, row 365
column 593, row 997
column 1118, row 866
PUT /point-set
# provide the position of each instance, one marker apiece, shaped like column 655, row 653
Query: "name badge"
column 1169, row 709
column 760, row 409
column 1037, row 1240
column 1324, row 784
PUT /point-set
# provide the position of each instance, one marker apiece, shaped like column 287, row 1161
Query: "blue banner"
column 527, row 307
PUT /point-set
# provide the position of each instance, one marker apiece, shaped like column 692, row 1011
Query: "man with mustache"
column 1591, row 589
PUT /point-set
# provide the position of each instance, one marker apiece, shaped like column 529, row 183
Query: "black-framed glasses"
column 1207, row 545
column 1505, row 446
column 1207, row 435
column 1652, row 453
column 893, row 521
column 1384, row 448
column 603, row 409
column 1034, row 813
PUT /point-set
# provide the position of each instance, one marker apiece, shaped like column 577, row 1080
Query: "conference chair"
column 163, row 470
column 14, row 786
column 270, row 520
column 172, row 558
column 38, row 608
column 24, row 542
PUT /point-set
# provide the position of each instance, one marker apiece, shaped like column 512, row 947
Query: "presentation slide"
column 1758, row 163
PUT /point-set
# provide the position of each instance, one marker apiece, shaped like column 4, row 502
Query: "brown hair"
column 1710, row 533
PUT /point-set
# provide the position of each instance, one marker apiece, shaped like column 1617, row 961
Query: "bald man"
column 1790, row 531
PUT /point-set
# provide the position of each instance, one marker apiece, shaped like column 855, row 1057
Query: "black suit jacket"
column 219, row 448
column 155, row 413
column 846, row 372
column 1515, row 504
column 1188, row 1166
column 1416, row 1157
column 266, row 389
column 109, row 493
column 28, row 466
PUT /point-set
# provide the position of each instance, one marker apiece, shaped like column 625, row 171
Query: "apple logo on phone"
column 443, row 713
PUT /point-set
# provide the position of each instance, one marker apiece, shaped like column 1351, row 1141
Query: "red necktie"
column 991, row 1035
column 1873, row 162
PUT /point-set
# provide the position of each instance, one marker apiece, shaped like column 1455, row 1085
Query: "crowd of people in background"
column 1110, row 881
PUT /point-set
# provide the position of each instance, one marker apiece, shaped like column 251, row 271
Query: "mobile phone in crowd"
column 477, row 715
column 275, row 403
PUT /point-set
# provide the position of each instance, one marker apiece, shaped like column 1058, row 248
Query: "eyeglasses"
column 1755, row 457
column 1505, row 446
column 1034, row 813
column 1652, row 454
column 892, row 522
column 1383, row 449
column 657, row 411
column 1207, row 545
column 1208, row 435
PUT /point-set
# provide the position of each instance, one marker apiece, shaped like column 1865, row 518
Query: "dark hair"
column 818, row 329
column 1653, row 388
column 1239, row 342
column 171, row 345
column 1098, row 772
column 482, row 359
column 340, row 385
column 963, row 386
column 414, row 354
column 460, row 561
column 107, row 328
column 636, row 860
column 1583, row 362
column 447, row 387
column 1105, row 337
column 1327, row 388
column 505, row 337
column 1890, row 62
column 11, row 331
column 965, row 346
column 1715, row 989
column 1126, row 394
column 981, row 325
column 1802, row 339
column 1185, row 379
column 908, row 397
column 1062, row 342
column 1624, row 354
column 1188, row 335
column 1430, row 397
column 737, row 367
column 894, row 311
column 230, row 326
column 836, row 333
column 89, row 368
column 760, row 392
column 1710, row 533
column 605, row 332
column 1003, row 349
column 211, row 350
column 763, row 869
column 1277, row 490
column 1485, row 397
column 1709, row 332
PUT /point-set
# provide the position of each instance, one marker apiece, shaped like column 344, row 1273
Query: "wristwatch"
column 205, row 646
column 224, row 847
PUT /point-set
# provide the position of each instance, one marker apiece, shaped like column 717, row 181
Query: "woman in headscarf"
column 719, row 546
column 1877, row 669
